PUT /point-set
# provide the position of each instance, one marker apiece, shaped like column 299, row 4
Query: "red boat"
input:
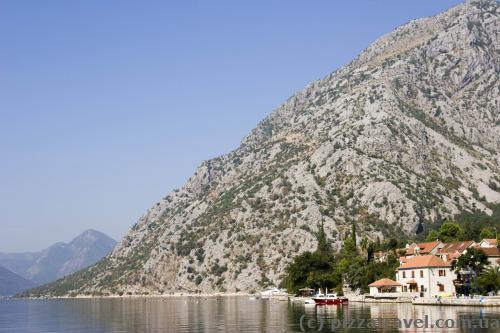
column 329, row 299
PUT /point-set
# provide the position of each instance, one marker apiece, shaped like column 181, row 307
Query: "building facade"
column 426, row 276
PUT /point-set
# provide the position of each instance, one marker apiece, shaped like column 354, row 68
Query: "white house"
column 426, row 276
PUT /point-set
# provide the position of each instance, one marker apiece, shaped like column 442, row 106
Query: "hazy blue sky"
column 106, row 106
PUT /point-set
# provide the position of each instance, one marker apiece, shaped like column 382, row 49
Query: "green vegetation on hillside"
column 467, row 225
column 323, row 269
column 355, row 265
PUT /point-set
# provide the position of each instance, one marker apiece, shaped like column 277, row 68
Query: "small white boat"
column 273, row 293
column 309, row 301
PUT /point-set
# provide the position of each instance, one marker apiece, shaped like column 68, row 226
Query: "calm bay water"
column 225, row 314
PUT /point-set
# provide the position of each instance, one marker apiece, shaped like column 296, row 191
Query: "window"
column 421, row 273
column 413, row 274
column 441, row 287
column 404, row 275
column 442, row 272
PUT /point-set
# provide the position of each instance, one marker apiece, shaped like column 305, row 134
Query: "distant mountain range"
column 11, row 283
column 58, row 260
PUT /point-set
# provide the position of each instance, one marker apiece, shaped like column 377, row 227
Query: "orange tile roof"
column 492, row 241
column 425, row 248
column 456, row 247
column 385, row 283
column 490, row 251
column 424, row 261
column 453, row 256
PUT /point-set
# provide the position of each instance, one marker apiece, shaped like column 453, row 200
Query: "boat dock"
column 486, row 301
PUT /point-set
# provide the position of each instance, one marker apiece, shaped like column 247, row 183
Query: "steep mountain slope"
column 60, row 259
column 406, row 134
column 11, row 283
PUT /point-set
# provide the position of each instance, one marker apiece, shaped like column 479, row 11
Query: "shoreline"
column 460, row 302
column 159, row 296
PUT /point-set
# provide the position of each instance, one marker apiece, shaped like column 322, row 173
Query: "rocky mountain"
column 60, row 259
column 11, row 283
column 406, row 134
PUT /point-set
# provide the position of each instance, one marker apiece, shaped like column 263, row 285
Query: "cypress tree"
column 322, row 242
column 354, row 233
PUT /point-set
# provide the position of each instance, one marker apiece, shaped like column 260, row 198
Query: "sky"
column 107, row 106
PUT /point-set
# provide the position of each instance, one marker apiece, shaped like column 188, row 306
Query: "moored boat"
column 329, row 299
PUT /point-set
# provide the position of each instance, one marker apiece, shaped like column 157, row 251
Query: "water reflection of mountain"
column 226, row 314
